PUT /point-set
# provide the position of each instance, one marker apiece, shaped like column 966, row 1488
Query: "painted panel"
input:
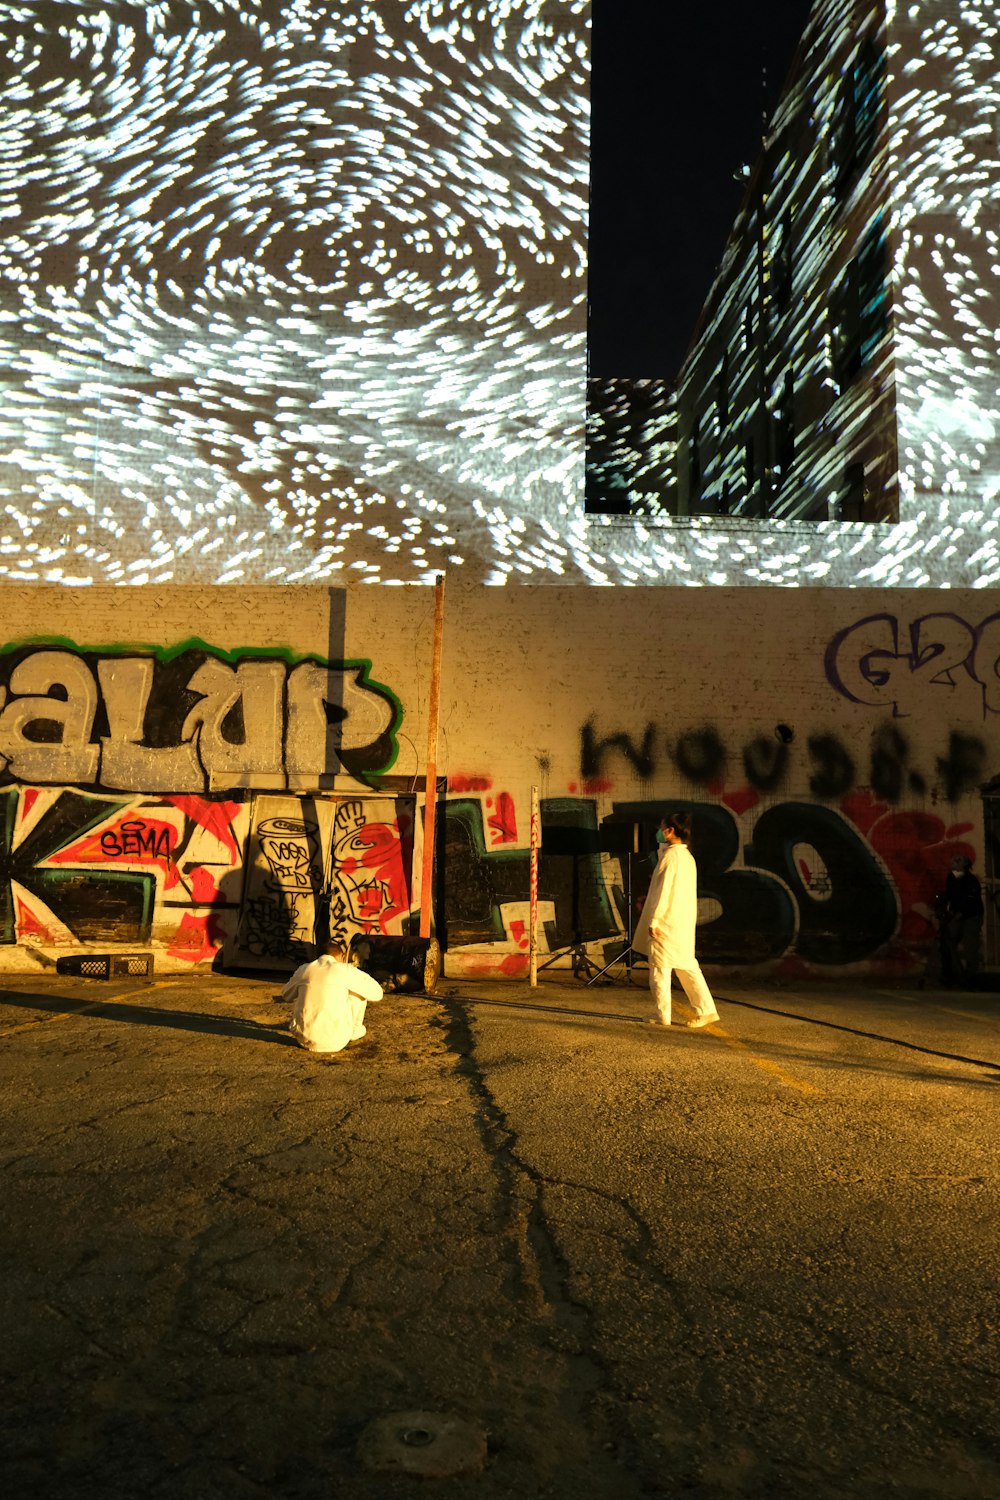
column 318, row 868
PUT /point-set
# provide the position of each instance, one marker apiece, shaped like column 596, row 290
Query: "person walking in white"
column 328, row 998
column 666, row 926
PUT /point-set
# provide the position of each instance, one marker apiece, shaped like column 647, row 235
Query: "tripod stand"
column 628, row 955
column 581, row 962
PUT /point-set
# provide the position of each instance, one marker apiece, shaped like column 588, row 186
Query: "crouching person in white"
column 328, row 998
column 666, row 926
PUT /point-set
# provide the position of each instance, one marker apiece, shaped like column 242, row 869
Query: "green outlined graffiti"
column 189, row 718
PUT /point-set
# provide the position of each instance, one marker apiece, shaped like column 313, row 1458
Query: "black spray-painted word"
column 135, row 839
column 189, row 720
column 702, row 757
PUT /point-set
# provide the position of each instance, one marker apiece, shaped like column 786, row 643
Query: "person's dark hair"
column 679, row 823
column 336, row 950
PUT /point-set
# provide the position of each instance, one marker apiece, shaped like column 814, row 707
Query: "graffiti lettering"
column 188, row 720
column 133, row 839
column 938, row 661
column 592, row 751
column 962, row 769
column 765, row 762
column 834, row 769
column 701, row 757
column 805, row 883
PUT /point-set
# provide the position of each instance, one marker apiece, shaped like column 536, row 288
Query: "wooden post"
column 533, row 887
column 430, row 781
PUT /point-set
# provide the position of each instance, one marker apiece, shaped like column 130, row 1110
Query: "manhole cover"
column 433, row 1445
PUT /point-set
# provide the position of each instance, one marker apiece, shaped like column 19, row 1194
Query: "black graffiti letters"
column 765, row 763
column 135, row 839
column 834, row 773
column 701, row 756
column 846, row 904
column 963, row 768
column 592, row 751
column 769, row 763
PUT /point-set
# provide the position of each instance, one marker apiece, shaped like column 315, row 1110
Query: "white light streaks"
column 292, row 290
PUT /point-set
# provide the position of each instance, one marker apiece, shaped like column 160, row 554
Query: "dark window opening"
column 783, row 430
column 856, row 117
column 723, row 390
column 855, row 497
column 694, row 463
column 859, row 309
column 749, row 465
column 781, row 265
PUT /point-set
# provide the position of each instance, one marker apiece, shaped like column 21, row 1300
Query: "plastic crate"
column 106, row 965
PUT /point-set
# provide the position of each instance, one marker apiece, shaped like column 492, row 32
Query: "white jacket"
column 671, row 906
column 328, row 1003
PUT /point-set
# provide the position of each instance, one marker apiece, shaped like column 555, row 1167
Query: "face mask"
column 661, row 837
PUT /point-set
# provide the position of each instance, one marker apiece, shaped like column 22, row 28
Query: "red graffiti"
column 596, row 786
column 742, row 800
column 216, row 818
column 197, row 939
column 918, row 848
column 469, row 784
column 518, row 933
column 131, row 840
column 28, row 925
column 387, row 896
column 502, row 822
column 204, row 889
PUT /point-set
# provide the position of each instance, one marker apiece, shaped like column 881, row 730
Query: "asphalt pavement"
column 755, row 1260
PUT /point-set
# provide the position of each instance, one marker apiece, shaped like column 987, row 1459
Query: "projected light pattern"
column 847, row 366
column 292, row 290
column 631, row 444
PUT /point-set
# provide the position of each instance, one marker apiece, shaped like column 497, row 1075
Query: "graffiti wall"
column 81, row 870
column 250, row 783
column 317, row 869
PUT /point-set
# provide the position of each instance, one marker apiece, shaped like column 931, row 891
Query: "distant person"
column 666, row 926
column 328, row 998
column 963, row 922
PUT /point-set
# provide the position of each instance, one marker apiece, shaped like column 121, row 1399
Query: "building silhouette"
column 842, row 387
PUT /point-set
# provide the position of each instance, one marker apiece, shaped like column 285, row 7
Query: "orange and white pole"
column 430, row 779
column 533, row 923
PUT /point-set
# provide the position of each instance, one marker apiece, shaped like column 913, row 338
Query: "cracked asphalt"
column 759, row 1260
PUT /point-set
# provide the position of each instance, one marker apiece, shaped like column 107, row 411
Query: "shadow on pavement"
column 871, row 1036
column 173, row 1020
column 643, row 1020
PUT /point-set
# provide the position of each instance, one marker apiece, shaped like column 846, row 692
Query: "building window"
column 859, row 309
column 783, row 429
column 856, row 117
column 723, row 391
column 749, row 466
column 694, row 463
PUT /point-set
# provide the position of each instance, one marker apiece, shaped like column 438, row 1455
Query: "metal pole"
column 533, row 928
column 430, row 781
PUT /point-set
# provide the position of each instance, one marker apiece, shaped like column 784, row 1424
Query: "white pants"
column 692, row 982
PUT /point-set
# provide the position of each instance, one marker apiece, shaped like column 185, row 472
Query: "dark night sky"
column 678, row 94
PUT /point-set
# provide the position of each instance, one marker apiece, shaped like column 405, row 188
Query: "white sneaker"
column 697, row 1022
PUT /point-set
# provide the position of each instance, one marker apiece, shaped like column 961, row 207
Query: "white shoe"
column 697, row 1022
